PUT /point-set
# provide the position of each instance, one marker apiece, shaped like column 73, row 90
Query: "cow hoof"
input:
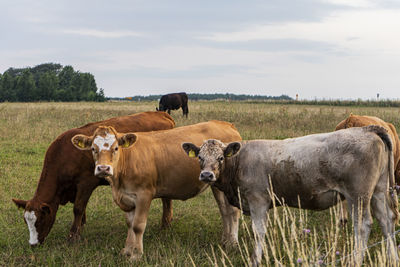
column 135, row 257
column 230, row 244
column 343, row 222
column 166, row 224
column 73, row 237
column 126, row 252
column 131, row 254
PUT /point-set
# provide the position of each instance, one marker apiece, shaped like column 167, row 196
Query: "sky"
column 324, row 49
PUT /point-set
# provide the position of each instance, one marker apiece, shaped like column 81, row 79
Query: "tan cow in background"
column 144, row 166
column 360, row 121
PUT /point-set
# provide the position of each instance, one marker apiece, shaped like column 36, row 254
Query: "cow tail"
column 383, row 134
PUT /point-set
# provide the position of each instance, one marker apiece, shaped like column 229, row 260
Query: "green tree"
column 8, row 85
column 47, row 86
column 65, row 83
column 26, row 87
column 48, row 82
column 1, row 89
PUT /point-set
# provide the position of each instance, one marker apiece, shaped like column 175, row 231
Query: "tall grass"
column 27, row 129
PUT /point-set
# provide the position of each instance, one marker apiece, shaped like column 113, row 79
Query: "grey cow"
column 355, row 164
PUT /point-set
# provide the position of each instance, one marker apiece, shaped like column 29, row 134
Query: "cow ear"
column 20, row 203
column 82, row 142
column 191, row 149
column 127, row 140
column 45, row 208
column 232, row 149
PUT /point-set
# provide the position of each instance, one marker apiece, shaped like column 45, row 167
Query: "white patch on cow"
column 30, row 218
column 104, row 143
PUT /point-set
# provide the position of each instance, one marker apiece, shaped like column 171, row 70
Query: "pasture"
column 294, row 236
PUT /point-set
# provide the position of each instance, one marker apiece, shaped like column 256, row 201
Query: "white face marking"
column 30, row 218
column 104, row 143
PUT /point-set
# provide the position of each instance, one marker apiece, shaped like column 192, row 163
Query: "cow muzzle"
column 207, row 177
column 103, row 170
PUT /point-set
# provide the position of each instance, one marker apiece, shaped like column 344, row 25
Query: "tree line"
column 48, row 82
column 217, row 96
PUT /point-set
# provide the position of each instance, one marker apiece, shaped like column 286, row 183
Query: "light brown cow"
column 360, row 121
column 67, row 176
column 144, row 166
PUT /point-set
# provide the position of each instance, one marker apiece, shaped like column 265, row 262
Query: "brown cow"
column 360, row 121
column 144, row 166
column 67, row 176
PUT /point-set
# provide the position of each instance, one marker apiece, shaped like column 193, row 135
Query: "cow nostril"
column 103, row 168
column 207, row 175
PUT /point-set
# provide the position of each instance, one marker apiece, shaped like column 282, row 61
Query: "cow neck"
column 227, row 181
column 47, row 185
column 120, row 169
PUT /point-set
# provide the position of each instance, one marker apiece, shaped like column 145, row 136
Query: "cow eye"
column 116, row 148
column 94, row 150
column 221, row 158
column 201, row 158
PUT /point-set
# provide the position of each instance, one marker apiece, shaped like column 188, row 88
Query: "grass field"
column 26, row 130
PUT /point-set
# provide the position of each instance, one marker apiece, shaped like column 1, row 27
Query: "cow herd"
column 143, row 157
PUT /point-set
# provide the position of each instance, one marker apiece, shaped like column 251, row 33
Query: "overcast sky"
column 316, row 48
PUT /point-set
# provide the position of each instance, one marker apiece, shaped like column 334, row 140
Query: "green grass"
column 26, row 130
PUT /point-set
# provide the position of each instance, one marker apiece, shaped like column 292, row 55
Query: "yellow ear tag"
column 229, row 155
column 192, row 154
column 125, row 145
column 80, row 144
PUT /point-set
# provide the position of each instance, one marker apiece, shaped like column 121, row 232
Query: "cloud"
column 102, row 34
column 357, row 30
column 352, row 3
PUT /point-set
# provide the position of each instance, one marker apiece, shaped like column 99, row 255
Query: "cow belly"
column 183, row 192
column 316, row 201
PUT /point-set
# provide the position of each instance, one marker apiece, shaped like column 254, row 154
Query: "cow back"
column 157, row 161
column 64, row 164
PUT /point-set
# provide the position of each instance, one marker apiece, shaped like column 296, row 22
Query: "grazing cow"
column 144, row 166
column 360, row 121
column 67, row 176
column 313, row 171
column 174, row 101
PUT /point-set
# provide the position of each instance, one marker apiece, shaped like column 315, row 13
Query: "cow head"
column 212, row 155
column 161, row 107
column 39, row 217
column 105, row 145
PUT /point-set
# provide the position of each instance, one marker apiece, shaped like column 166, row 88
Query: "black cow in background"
column 174, row 101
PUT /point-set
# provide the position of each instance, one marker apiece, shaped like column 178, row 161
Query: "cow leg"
column 386, row 218
column 230, row 218
column 185, row 111
column 84, row 191
column 343, row 213
column 259, row 203
column 167, row 213
column 136, row 221
column 362, row 222
column 130, row 238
